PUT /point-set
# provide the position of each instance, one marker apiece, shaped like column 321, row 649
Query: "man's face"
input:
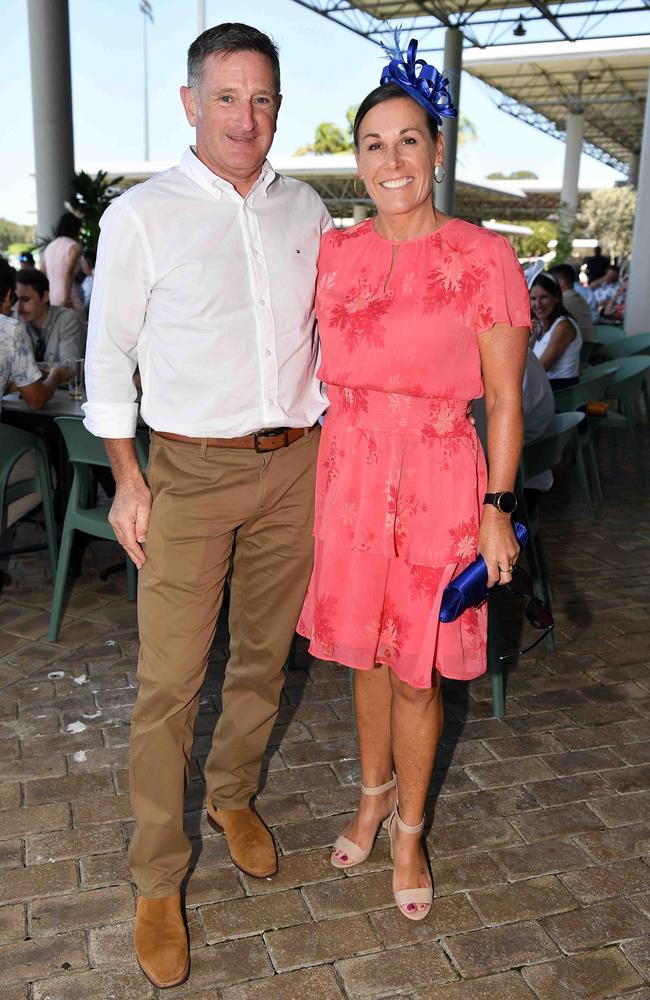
column 234, row 113
column 612, row 276
column 32, row 308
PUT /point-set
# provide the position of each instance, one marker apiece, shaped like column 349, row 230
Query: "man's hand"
column 129, row 517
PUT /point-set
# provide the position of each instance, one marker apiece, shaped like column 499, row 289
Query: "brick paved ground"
column 539, row 847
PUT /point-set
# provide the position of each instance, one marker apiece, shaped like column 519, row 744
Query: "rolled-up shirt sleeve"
column 123, row 282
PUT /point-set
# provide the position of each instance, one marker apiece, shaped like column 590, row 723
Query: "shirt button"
column 268, row 354
column 262, row 302
column 254, row 252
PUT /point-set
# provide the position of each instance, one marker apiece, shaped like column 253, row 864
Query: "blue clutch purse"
column 470, row 587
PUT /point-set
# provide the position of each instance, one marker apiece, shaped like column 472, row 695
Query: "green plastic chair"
column 605, row 335
column 84, row 451
column 625, row 385
column 537, row 456
column 627, row 346
column 14, row 444
column 589, row 347
column 574, row 398
column 595, row 371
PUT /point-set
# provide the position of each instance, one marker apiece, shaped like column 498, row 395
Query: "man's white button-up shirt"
column 212, row 296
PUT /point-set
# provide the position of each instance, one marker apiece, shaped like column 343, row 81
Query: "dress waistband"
column 393, row 411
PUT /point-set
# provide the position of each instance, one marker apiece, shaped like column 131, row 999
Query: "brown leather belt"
column 264, row 440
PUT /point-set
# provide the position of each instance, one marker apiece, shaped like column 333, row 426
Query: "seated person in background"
column 26, row 259
column 614, row 309
column 589, row 297
column 597, row 265
column 603, row 288
column 58, row 334
column 88, row 259
column 574, row 302
column 539, row 410
column 18, row 369
column 555, row 337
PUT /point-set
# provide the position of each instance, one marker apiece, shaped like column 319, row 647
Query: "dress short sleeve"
column 505, row 298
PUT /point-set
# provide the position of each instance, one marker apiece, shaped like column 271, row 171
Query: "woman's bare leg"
column 416, row 724
column 372, row 700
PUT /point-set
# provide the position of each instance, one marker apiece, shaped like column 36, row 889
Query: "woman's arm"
column 71, row 270
column 503, row 361
column 561, row 337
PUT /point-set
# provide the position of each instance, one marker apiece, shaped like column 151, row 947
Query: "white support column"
column 569, row 195
column 633, row 170
column 453, row 64
column 49, row 50
column 359, row 213
column 201, row 17
column 637, row 309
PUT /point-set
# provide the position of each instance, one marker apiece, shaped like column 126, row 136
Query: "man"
column 603, row 288
column 18, row 369
column 58, row 334
column 597, row 265
column 205, row 276
column 573, row 300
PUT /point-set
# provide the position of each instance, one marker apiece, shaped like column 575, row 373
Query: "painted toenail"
column 410, row 907
column 343, row 857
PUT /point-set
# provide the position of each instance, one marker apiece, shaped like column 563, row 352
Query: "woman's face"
column 542, row 303
column 396, row 156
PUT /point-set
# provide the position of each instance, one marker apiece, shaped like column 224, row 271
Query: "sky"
column 325, row 69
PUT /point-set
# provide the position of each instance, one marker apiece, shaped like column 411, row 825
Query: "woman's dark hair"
column 230, row 37
column 90, row 256
column 68, row 225
column 7, row 278
column 551, row 285
column 387, row 92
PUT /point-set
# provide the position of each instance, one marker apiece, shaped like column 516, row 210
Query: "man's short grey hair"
column 231, row 37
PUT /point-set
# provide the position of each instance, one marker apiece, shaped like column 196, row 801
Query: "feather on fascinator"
column 418, row 79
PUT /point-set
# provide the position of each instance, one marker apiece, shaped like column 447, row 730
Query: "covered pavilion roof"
column 606, row 80
column 332, row 175
column 578, row 55
column 485, row 22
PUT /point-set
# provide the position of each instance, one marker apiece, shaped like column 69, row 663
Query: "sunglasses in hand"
column 537, row 613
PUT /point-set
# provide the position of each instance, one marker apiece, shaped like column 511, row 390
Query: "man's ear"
column 46, row 297
column 189, row 104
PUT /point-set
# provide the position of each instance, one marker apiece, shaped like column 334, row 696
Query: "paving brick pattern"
column 540, row 835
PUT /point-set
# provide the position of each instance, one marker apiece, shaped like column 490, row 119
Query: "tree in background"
column 535, row 245
column 609, row 215
column 91, row 196
column 329, row 138
column 14, row 232
column 516, row 175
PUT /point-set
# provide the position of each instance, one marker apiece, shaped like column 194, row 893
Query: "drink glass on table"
column 76, row 380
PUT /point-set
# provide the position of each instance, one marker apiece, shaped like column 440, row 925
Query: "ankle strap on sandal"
column 379, row 789
column 404, row 827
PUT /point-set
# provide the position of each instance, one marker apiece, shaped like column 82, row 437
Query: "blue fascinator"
column 418, row 79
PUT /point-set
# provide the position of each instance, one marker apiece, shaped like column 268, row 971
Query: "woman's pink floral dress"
column 401, row 475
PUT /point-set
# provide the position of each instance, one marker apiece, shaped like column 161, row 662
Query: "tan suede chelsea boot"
column 250, row 842
column 161, row 945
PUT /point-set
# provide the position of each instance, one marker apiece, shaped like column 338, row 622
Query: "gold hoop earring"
column 359, row 194
column 439, row 177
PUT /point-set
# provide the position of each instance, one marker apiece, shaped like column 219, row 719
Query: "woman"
column 412, row 307
column 555, row 336
column 60, row 261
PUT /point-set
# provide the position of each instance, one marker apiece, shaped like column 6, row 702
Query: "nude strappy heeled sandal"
column 413, row 903
column 350, row 853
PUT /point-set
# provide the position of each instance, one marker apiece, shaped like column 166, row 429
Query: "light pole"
column 201, row 16
column 147, row 15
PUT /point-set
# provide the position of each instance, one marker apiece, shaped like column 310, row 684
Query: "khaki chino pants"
column 207, row 500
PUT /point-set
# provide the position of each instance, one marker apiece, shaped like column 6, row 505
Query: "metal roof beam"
column 543, row 9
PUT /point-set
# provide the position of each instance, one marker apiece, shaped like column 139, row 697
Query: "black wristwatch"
column 506, row 502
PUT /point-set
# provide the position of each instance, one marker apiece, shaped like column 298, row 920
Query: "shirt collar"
column 202, row 175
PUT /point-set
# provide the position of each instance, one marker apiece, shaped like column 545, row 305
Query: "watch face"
column 507, row 503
